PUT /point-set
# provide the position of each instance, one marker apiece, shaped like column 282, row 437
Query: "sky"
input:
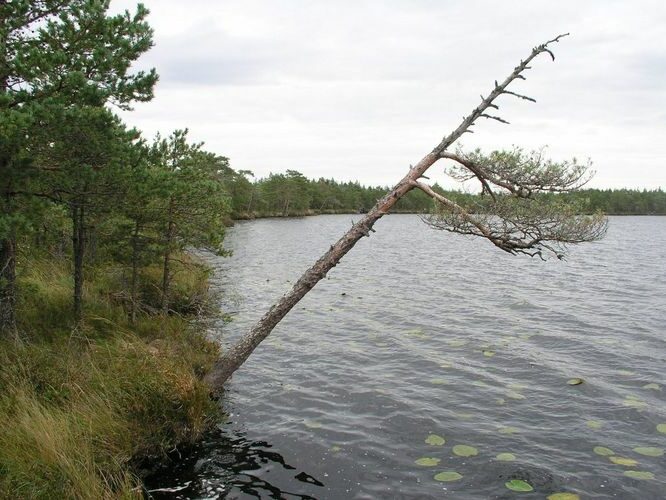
column 361, row 89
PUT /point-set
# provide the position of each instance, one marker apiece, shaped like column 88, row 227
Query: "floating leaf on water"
column 661, row 428
column 427, row 461
column 312, row 424
column 626, row 373
column 463, row 450
column 627, row 462
column 335, row 448
column 416, row 332
column 488, row 353
column 464, row 416
column 633, row 402
column 637, row 474
column 649, row 451
column 447, row 476
column 653, row 386
column 633, row 397
column 439, row 381
column 507, row 430
column 519, row 485
column 435, row 440
column 501, row 401
column 603, row 451
column 506, row 457
column 594, row 424
column 514, row 395
column 563, row 496
column 575, row 381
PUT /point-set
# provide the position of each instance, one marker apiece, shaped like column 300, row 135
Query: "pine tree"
column 55, row 54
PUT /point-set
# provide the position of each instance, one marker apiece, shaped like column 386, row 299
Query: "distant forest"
column 292, row 194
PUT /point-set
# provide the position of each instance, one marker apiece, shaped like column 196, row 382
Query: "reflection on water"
column 420, row 332
column 227, row 466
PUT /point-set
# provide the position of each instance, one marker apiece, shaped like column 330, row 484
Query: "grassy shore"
column 79, row 407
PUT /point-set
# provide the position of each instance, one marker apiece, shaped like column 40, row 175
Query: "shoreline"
column 89, row 412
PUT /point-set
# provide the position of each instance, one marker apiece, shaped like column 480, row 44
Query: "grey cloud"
column 359, row 89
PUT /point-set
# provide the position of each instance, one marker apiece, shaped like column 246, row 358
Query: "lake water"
column 419, row 333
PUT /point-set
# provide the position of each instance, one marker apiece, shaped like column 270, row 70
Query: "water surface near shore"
column 419, row 333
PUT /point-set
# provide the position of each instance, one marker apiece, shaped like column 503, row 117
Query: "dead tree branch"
column 235, row 356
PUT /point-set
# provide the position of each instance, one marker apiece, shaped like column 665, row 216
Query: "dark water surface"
column 420, row 332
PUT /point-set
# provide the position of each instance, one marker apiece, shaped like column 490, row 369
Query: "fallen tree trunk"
column 235, row 356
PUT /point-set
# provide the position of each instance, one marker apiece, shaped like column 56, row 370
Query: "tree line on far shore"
column 292, row 194
column 77, row 182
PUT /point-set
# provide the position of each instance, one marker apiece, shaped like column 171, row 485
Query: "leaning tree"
column 516, row 212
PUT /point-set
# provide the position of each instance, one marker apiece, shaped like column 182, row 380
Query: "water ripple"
column 420, row 332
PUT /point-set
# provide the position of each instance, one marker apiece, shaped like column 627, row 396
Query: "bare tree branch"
column 519, row 96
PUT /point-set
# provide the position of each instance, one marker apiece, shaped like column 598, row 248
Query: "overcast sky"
column 359, row 90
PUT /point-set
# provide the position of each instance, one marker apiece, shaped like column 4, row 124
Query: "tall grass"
column 79, row 406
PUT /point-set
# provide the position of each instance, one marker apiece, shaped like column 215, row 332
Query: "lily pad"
column 488, row 353
column 448, row 476
column 507, row 430
column 653, row 386
column 427, row 461
column 594, row 424
column 563, row 496
column 519, row 485
column 312, row 424
column 649, row 451
column 463, row 450
column 637, row 474
column 627, row 462
column 633, row 402
column 514, row 395
column 603, row 451
column 575, row 381
column 661, row 428
column 506, row 457
column 416, row 332
column 435, row 440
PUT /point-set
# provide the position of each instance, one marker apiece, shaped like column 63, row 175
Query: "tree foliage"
column 62, row 150
column 55, row 55
column 254, row 197
column 513, row 215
